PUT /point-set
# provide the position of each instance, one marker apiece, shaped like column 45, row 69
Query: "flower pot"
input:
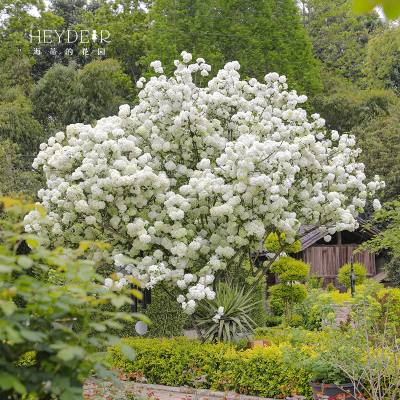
column 331, row 390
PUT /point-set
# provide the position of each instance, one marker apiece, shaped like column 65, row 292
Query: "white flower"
column 376, row 204
column 189, row 175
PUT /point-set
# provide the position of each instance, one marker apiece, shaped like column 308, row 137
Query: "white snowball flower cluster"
column 218, row 315
column 192, row 176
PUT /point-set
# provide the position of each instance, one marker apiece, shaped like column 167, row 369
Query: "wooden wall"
column 328, row 259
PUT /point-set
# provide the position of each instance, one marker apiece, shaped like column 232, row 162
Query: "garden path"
column 161, row 392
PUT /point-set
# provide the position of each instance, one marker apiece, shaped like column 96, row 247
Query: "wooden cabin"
column 328, row 257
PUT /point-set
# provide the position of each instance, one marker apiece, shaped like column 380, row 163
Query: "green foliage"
column 310, row 310
column 390, row 8
column 392, row 270
column 50, row 94
column 359, row 271
column 275, row 335
column 17, row 123
column 127, row 45
column 340, row 37
column 234, row 318
column 314, row 282
column 244, row 278
column 35, row 342
column 382, row 61
column 15, row 179
column 389, row 299
column 363, row 351
column 273, row 320
column 16, row 71
column 281, row 295
column 235, row 34
column 289, row 269
column 378, row 139
column 274, row 244
column 163, row 362
column 296, row 320
column 345, row 106
column 390, row 239
column 330, row 288
column 166, row 313
column 302, row 358
column 97, row 91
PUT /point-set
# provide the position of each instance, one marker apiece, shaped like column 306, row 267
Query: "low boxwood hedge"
column 259, row 370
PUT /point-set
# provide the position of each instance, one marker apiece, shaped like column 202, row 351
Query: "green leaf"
column 85, row 245
column 364, row 6
column 128, row 352
column 391, row 9
column 5, row 269
column 24, row 261
column 7, row 306
column 8, row 381
column 32, row 336
column 98, row 327
column 127, row 260
column 13, row 335
column 7, row 259
column 119, row 301
column 32, row 242
column 70, row 352
column 114, row 324
column 142, row 317
column 85, row 272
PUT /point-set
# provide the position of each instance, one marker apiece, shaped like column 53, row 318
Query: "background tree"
column 97, row 91
column 49, row 97
column 125, row 20
column 17, row 123
column 382, row 62
column 379, row 139
column 340, row 36
column 344, row 105
column 264, row 36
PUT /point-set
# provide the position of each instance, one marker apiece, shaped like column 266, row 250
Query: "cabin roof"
column 314, row 235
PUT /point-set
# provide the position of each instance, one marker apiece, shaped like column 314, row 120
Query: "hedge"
column 165, row 313
column 162, row 361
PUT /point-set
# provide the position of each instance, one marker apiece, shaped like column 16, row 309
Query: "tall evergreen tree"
column 264, row 36
column 121, row 19
column 382, row 64
column 340, row 36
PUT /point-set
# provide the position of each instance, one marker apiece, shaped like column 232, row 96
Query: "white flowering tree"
column 193, row 178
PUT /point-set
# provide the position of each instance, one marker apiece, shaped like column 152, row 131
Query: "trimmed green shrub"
column 163, row 360
column 288, row 293
column 273, row 320
column 359, row 271
column 281, row 295
column 275, row 335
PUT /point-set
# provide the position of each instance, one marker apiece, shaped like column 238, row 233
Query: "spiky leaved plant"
column 227, row 315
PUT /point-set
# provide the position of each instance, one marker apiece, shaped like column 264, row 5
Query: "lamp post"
column 352, row 278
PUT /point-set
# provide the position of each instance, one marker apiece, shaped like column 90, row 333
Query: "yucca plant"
column 227, row 315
